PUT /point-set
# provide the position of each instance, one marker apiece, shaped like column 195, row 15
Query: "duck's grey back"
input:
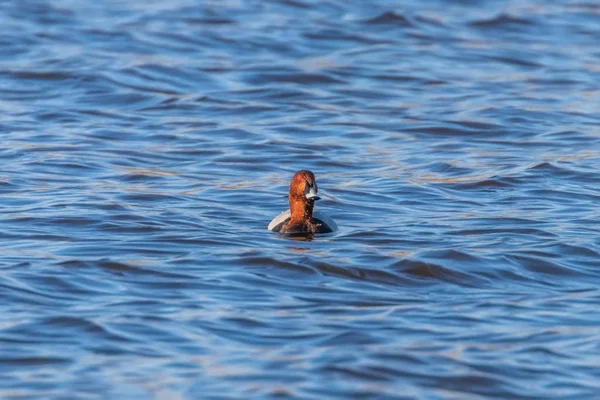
column 279, row 221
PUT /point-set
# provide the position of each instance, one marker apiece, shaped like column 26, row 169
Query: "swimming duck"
column 300, row 219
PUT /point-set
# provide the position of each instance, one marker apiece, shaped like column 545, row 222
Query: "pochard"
column 300, row 218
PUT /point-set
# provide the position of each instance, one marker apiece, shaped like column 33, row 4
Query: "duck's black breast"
column 317, row 226
column 327, row 223
column 322, row 226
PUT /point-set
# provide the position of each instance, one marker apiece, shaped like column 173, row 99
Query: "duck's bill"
column 312, row 194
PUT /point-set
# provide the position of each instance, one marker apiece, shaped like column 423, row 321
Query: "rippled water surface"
column 146, row 145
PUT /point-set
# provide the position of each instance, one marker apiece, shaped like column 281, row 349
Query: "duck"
column 301, row 218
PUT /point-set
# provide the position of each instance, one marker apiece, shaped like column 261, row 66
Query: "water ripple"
column 148, row 144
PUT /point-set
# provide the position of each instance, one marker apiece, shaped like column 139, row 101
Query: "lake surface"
column 146, row 145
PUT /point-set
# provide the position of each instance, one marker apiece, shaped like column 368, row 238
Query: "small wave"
column 299, row 78
column 502, row 21
column 34, row 361
column 428, row 270
column 390, row 18
column 520, row 61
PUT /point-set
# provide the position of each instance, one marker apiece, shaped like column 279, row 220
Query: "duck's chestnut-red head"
column 304, row 186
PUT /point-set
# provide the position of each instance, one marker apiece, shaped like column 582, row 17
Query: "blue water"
column 146, row 145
